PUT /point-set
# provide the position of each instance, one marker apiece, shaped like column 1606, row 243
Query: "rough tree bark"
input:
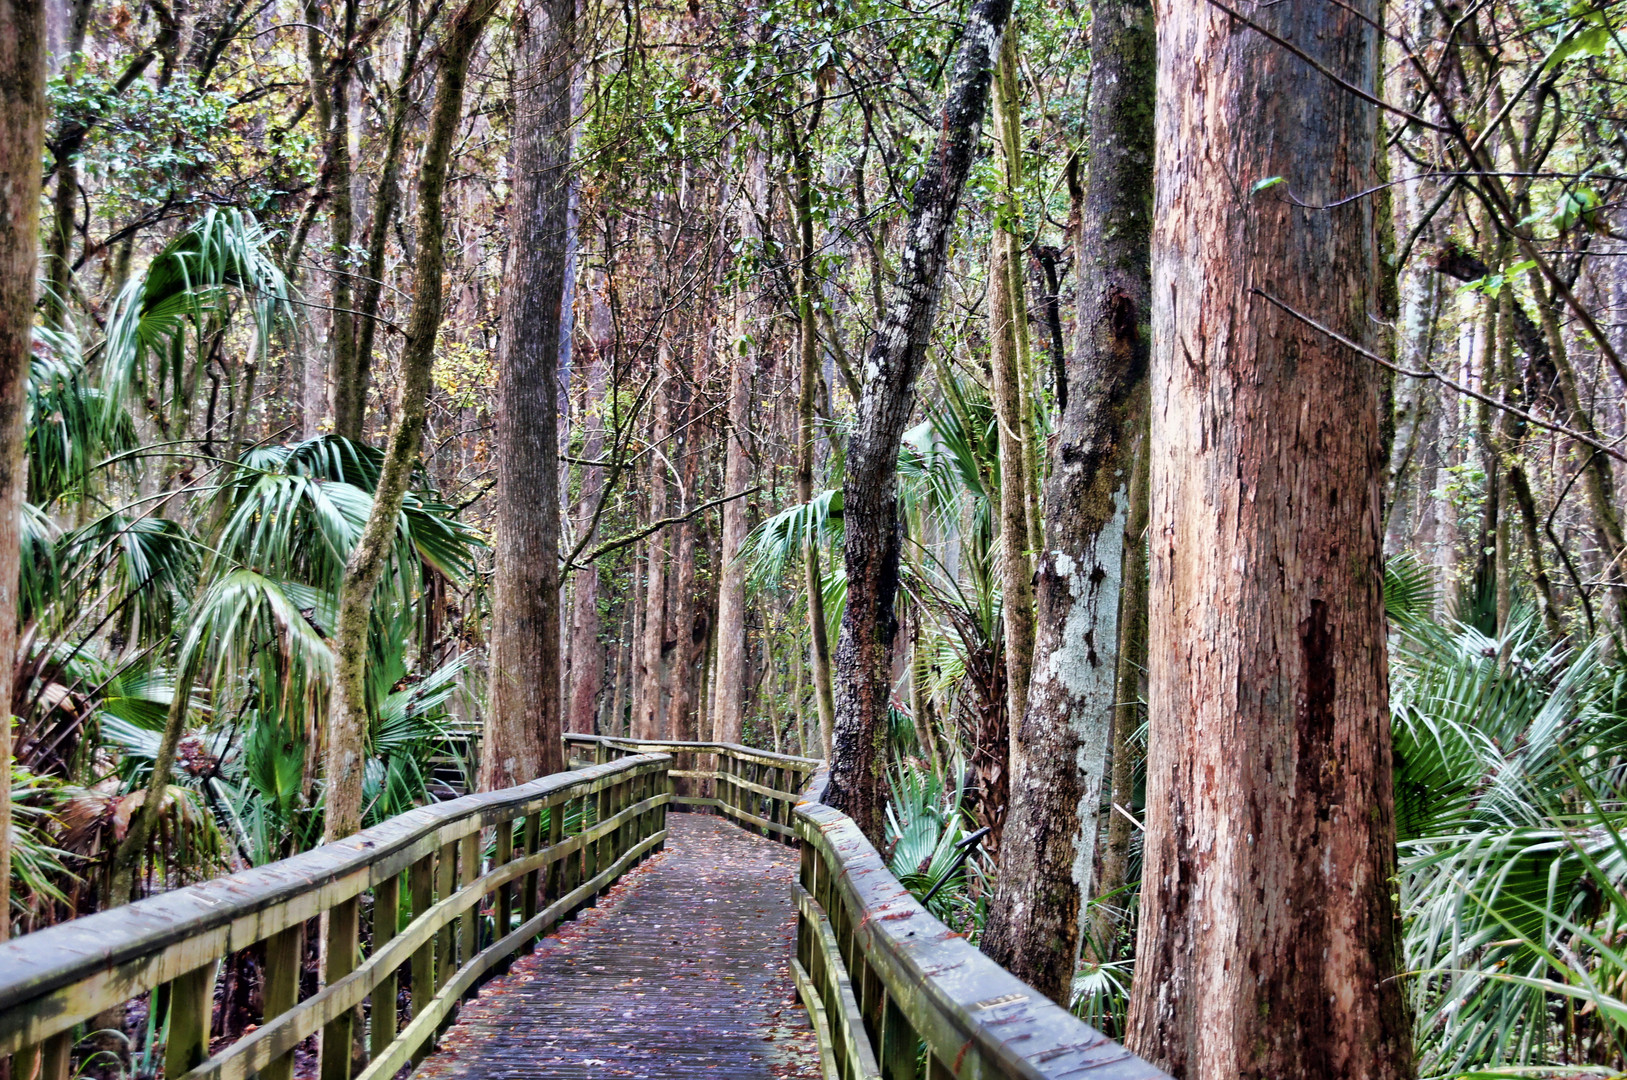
column 1268, row 943
column 1127, row 715
column 523, row 722
column 347, row 723
column 22, row 130
column 1059, row 744
column 858, row 781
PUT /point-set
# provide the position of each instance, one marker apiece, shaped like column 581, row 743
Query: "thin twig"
column 1428, row 373
column 653, row 527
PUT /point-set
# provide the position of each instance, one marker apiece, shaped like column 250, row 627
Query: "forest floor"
column 682, row 970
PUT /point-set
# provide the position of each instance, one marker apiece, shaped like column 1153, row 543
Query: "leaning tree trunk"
column 523, row 722
column 858, row 781
column 22, row 130
column 1059, row 746
column 1269, row 937
column 347, row 723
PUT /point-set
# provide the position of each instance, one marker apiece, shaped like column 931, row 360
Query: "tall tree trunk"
column 858, row 780
column 647, row 717
column 523, row 722
column 807, row 395
column 22, row 131
column 1008, row 316
column 1268, row 941
column 347, row 724
column 343, row 377
column 730, row 676
column 587, row 650
column 350, row 401
column 1127, row 713
column 1059, row 746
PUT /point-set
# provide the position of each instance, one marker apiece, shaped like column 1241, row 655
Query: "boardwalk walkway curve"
column 474, row 883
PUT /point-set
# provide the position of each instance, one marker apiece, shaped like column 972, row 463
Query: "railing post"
column 421, row 884
column 386, row 920
column 191, row 1007
column 606, row 844
column 899, row 1044
column 528, row 893
column 469, row 851
column 505, row 893
column 445, row 938
column 285, row 956
column 342, row 937
column 557, row 885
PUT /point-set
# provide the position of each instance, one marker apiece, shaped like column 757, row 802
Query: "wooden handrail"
column 756, row 788
column 890, row 989
column 897, row 988
column 558, row 842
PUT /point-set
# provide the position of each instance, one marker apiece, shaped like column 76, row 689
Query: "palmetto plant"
column 1509, row 808
column 199, row 615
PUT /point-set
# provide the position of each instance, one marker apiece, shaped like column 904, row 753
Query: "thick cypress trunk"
column 22, row 130
column 1059, row 745
column 858, row 781
column 1268, row 944
column 348, row 718
column 523, row 721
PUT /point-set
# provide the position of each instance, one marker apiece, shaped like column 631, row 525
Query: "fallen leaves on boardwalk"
column 682, row 970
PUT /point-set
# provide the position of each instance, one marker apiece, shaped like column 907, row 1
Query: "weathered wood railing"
column 892, row 992
column 427, row 878
column 903, row 997
column 756, row 788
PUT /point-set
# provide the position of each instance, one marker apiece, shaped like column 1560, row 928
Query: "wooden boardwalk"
column 682, row 970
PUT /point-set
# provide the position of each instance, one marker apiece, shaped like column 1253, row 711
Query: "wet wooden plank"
column 683, row 970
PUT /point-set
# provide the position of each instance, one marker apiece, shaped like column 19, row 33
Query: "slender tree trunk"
column 807, row 391
column 22, row 131
column 350, row 400
column 343, row 378
column 1059, row 746
column 347, row 726
column 523, row 722
column 647, row 717
column 858, row 780
column 1007, row 313
column 1268, row 942
column 730, row 676
column 587, row 650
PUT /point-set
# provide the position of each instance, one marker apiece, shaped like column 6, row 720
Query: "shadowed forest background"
column 410, row 381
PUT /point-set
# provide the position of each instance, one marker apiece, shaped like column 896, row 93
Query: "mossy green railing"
column 430, row 901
